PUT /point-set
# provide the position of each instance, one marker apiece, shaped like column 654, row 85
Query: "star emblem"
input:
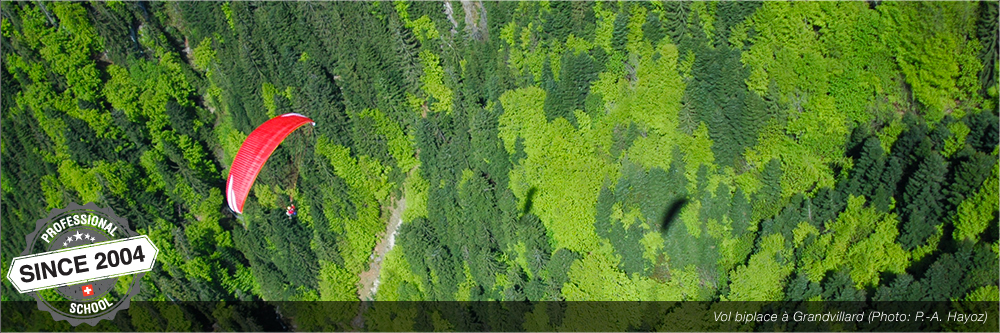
column 87, row 236
column 65, row 244
column 78, row 235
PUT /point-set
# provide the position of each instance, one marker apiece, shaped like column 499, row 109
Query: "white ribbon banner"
column 91, row 262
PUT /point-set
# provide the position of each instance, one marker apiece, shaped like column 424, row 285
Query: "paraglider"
column 254, row 152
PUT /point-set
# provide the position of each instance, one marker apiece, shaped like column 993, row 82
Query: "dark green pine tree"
column 987, row 32
column 801, row 289
column 874, row 153
column 942, row 281
column 907, row 144
column 553, row 106
column 675, row 20
column 904, row 155
column 856, row 140
column 902, row 288
column 558, row 269
column 740, row 213
column 893, row 174
column 923, row 201
column 767, row 201
column 723, row 107
column 827, row 204
column 558, row 20
column 570, row 92
column 548, row 79
column 980, row 265
column 652, row 30
column 840, row 287
column 619, row 36
column 867, row 169
column 321, row 100
column 940, row 133
column 882, row 198
column 718, row 205
column 969, row 174
column 984, row 131
column 785, row 222
column 730, row 13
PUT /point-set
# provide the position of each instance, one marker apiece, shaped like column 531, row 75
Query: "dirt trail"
column 368, row 284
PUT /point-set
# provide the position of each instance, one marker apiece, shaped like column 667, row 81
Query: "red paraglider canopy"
column 256, row 149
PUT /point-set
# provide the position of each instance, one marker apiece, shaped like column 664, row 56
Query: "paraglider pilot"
column 254, row 151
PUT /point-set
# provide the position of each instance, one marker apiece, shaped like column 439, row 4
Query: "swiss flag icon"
column 88, row 290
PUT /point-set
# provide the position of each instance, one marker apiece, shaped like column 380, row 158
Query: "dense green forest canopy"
column 546, row 150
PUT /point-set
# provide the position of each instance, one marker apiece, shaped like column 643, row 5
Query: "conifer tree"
column 923, row 202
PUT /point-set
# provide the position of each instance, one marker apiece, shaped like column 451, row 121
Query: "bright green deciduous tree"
column 929, row 41
column 979, row 210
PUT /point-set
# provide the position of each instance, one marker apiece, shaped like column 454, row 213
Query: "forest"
column 546, row 151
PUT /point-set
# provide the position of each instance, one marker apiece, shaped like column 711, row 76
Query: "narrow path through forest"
column 368, row 280
column 368, row 284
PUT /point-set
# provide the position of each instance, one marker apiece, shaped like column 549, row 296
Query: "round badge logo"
column 82, row 264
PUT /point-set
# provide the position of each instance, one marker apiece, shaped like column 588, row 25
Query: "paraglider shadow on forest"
column 529, row 199
column 672, row 212
column 682, row 248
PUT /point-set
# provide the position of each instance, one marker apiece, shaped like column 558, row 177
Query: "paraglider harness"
column 290, row 210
